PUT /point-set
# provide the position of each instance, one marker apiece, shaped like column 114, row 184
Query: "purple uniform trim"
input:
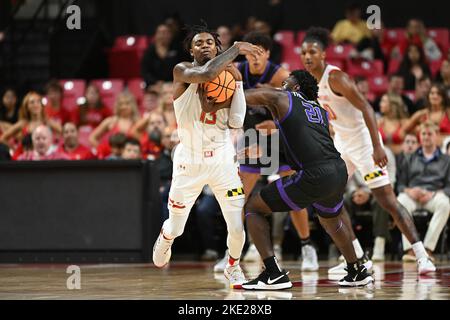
column 285, row 197
column 329, row 210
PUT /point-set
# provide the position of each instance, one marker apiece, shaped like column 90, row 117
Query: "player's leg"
column 184, row 190
column 386, row 198
column 249, row 177
column 362, row 258
column 228, row 189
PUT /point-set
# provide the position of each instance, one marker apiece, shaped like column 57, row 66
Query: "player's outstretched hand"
column 248, row 48
column 231, row 68
column 379, row 156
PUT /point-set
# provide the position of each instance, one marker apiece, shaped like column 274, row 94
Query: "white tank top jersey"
column 204, row 137
column 344, row 117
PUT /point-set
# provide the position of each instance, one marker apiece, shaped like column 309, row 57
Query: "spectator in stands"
column 444, row 76
column 54, row 109
column 125, row 117
column 31, row 115
column 261, row 26
column 225, row 37
column 392, row 122
column 42, row 146
column 150, row 101
column 116, row 143
column 166, row 101
column 149, row 132
column 424, row 182
column 92, row 112
column 374, row 46
column 352, row 29
column 176, row 26
column 169, row 141
column 363, row 86
column 416, row 34
column 437, row 110
column 132, row 149
column 413, row 66
column 409, row 146
column 396, row 86
column 422, row 89
column 71, row 146
column 9, row 110
column 160, row 57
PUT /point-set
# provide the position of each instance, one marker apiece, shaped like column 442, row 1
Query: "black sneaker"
column 356, row 279
column 265, row 282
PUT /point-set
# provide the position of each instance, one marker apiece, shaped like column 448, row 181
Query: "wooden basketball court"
column 195, row 280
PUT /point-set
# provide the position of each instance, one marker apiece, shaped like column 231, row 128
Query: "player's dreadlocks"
column 308, row 84
column 196, row 29
column 319, row 35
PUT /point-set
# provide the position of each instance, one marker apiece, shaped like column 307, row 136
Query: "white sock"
column 419, row 250
column 378, row 247
column 358, row 250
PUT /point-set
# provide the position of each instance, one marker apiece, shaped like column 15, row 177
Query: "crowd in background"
column 39, row 126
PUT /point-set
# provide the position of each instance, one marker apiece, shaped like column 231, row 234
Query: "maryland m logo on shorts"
column 235, row 192
column 374, row 175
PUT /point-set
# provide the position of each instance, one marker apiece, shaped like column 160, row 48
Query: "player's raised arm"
column 341, row 84
column 191, row 73
column 276, row 100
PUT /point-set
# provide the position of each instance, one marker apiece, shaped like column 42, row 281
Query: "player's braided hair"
column 196, row 29
column 308, row 84
column 318, row 34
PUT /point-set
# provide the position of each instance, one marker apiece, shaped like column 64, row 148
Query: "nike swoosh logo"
column 270, row 281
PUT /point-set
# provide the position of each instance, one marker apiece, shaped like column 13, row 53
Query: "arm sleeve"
column 238, row 107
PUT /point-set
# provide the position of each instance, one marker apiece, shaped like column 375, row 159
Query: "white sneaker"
column 234, row 274
column 425, row 266
column 252, row 254
column 341, row 268
column 162, row 251
column 309, row 258
column 278, row 252
column 221, row 264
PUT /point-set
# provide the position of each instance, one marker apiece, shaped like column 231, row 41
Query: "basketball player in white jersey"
column 206, row 155
column 357, row 139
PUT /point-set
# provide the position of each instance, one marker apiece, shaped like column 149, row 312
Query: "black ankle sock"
column 305, row 242
column 353, row 268
column 272, row 265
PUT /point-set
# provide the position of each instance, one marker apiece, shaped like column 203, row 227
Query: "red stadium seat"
column 434, row 67
column 131, row 42
column 300, row 37
column 339, row 52
column 441, row 37
column 394, row 64
column 378, row 85
column 137, row 86
column 109, row 89
column 290, row 54
column 285, row 38
column 395, row 35
column 338, row 63
column 73, row 90
column 126, row 55
column 365, row 68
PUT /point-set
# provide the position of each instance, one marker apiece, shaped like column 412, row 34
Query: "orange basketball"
column 221, row 87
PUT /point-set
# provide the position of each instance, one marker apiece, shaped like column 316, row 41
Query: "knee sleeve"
column 178, row 215
column 232, row 213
